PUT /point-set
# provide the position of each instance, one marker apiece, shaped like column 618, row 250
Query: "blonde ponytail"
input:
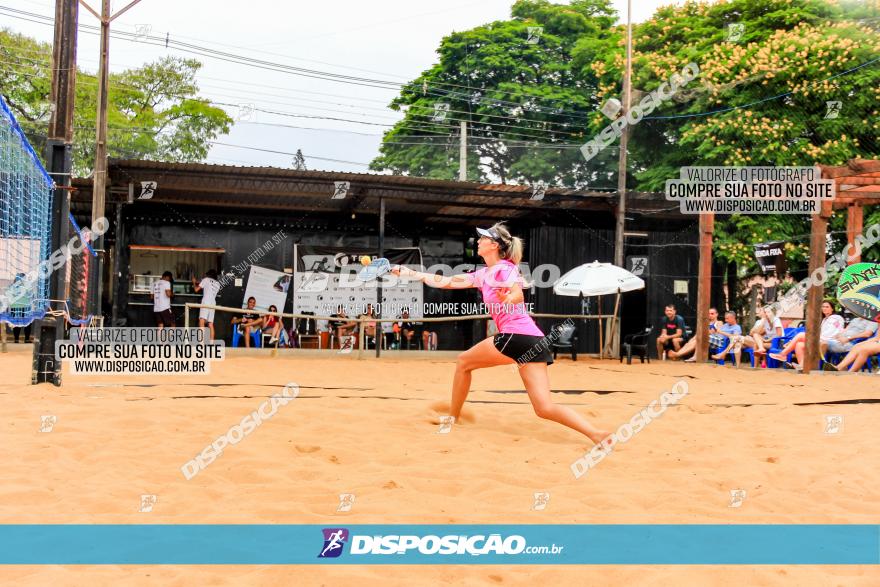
column 513, row 251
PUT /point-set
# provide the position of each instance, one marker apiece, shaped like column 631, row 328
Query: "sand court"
column 370, row 428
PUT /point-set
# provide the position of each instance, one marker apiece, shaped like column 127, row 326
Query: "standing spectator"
column 162, row 294
column 672, row 329
column 209, row 286
column 21, row 304
column 17, row 330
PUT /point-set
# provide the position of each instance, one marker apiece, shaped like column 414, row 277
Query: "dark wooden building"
column 213, row 216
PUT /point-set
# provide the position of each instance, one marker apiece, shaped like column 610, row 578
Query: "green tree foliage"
column 524, row 105
column 770, row 88
column 154, row 111
column 788, row 48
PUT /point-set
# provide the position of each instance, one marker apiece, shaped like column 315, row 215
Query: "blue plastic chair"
column 745, row 350
column 237, row 336
column 778, row 343
column 835, row 358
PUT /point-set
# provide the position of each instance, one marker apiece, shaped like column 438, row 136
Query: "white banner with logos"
column 321, row 284
column 268, row 287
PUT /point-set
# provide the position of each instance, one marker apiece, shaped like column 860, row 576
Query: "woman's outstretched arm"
column 461, row 281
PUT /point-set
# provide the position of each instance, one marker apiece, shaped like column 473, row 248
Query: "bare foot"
column 779, row 357
column 718, row 357
column 440, row 409
column 602, row 438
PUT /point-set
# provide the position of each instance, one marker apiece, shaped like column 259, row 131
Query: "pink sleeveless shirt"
column 510, row 318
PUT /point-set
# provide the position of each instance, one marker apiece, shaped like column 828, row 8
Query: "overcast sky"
column 391, row 40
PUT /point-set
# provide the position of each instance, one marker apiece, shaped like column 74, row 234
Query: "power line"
column 527, row 132
column 284, row 68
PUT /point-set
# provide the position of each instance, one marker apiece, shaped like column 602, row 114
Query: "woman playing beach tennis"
column 519, row 340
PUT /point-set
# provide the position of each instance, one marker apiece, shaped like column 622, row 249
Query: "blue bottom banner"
column 490, row 544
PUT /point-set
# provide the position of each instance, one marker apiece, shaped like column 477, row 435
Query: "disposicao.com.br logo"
column 393, row 544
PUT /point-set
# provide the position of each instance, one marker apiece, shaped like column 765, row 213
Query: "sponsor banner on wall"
column 324, row 279
column 268, row 287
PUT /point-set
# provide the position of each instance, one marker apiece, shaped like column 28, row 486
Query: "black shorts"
column 164, row 317
column 524, row 348
column 670, row 346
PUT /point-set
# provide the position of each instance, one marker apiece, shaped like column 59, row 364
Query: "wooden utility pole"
column 815, row 293
column 624, row 140
column 99, row 175
column 58, row 158
column 100, row 172
column 704, row 287
column 614, row 336
column 462, row 153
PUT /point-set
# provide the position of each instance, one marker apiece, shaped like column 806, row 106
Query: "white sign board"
column 268, row 287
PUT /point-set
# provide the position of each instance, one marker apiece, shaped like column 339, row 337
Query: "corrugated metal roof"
column 290, row 190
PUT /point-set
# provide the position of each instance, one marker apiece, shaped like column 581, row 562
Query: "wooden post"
column 99, row 174
column 854, row 226
column 379, row 304
column 613, row 343
column 704, row 287
column 818, row 235
column 624, row 139
column 59, row 165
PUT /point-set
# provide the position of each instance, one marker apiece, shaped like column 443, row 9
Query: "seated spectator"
column 407, row 329
column 728, row 337
column 856, row 329
column 249, row 321
column 672, row 329
column 691, row 345
column 767, row 327
column 832, row 325
column 369, row 327
column 273, row 325
column 343, row 325
column 429, row 339
column 857, row 356
column 391, row 336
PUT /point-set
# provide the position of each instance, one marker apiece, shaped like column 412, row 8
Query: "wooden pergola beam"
column 857, row 185
column 854, row 227
column 854, row 167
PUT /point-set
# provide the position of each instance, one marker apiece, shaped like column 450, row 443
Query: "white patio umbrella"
column 598, row 279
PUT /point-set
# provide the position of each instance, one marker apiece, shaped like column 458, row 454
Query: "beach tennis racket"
column 859, row 290
column 377, row 268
